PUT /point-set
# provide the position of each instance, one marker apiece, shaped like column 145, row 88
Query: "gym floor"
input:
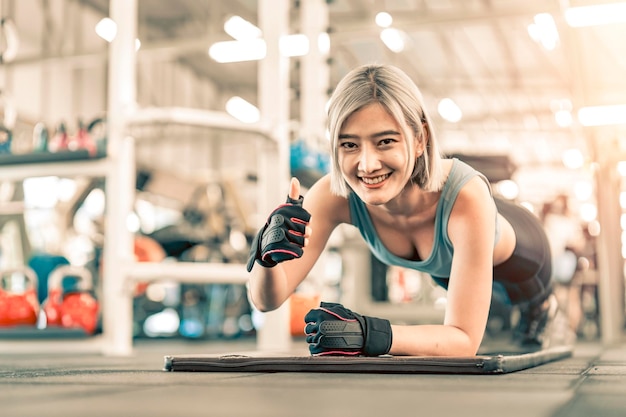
column 590, row 383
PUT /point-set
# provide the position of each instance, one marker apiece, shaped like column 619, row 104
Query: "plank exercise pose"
column 415, row 209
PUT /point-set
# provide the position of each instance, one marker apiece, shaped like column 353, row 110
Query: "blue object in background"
column 308, row 164
column 43, row 264
column 6, row 137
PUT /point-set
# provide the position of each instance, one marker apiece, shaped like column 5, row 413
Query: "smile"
column 375, row 180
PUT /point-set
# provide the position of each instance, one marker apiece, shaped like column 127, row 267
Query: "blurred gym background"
column 142, row 142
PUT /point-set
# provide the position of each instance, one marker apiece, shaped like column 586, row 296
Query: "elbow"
column 261, row 304
column 266, row 308
column 468, row 344
column 469, row 351
column 265, row 299
column 461, row 351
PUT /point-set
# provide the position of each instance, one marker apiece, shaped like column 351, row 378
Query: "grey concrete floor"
column 591, row 383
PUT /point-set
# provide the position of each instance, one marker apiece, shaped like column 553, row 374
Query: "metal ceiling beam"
column 349, row 26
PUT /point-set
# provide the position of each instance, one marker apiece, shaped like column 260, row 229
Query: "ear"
column 426, row 131
column 420, row 142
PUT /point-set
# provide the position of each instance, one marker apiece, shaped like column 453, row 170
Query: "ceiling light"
column 238, row 51
column 323, row 43
column 601, row 14
column 588, row 212
column 256, row 49
column 449, row 110
column 393, row 39
column 243, row 111
column 621, row 168
column 294, row 45
column 384, row 19
column 508, row 189
column 240, row 29
column 544, row 31
column 573, row 158
column 562, row 109
column 602, row 115
column 106, row 29
column 563, row 118
column 583, row 190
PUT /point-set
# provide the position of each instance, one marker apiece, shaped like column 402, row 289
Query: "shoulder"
column 474, row 204
column 320, row 200
column 476, row 192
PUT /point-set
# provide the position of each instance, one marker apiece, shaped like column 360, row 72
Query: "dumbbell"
column 19, row 308
column 76, row 308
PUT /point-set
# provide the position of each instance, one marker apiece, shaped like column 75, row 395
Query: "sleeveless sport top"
column 439, row 262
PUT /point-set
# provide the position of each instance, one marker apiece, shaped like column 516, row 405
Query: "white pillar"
column 610, row 261
column 315, row 74
column 273, row 96
column 117, row 317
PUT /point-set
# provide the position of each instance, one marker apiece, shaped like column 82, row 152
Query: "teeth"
column 375, row 180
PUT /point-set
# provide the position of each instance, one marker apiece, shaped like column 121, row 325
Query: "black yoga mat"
column 497, row 363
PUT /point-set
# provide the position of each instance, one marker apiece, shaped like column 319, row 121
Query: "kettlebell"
column 18, row 308
column 76, row 308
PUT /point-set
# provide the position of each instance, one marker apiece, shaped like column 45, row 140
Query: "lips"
column 375, row 180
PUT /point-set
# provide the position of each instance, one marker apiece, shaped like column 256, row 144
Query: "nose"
column 369, row 160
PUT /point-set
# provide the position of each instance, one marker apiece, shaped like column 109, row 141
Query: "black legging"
column 526, row 275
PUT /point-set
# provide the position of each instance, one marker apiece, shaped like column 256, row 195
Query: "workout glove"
column 332, row 329
column 282, row 237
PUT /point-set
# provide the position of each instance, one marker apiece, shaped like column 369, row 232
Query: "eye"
column 387, row 141
column 348, row 145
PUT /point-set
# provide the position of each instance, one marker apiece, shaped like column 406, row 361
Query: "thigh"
column 527, row 273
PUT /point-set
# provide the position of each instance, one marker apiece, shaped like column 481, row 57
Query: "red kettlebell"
column 83, row 140
column 18, row 308
column 75, row 308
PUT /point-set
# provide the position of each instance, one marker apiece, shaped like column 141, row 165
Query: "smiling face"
column 373, row 154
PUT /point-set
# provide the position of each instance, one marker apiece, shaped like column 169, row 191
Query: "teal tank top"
column 439, row 262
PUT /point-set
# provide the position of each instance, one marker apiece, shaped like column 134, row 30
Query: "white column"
column 315, row 74
column 117, row 317
column 610, row 261
column 273, row 96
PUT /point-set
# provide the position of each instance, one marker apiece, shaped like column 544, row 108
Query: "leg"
column 526, row 275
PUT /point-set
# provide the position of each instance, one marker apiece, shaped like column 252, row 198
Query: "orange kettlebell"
column 18, row 308
column 75, row 308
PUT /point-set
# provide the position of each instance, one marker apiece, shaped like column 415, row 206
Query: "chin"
column 374, row 197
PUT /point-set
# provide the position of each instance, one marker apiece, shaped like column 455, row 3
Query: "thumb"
column 294, row 189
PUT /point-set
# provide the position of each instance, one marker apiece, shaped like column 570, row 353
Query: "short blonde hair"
column 398, row 94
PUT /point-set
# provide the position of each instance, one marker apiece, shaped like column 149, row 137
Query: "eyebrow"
column 375, row 135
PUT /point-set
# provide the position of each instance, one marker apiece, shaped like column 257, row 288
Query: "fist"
column 284, row 234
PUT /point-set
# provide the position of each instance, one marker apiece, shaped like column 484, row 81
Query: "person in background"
column 415, row 209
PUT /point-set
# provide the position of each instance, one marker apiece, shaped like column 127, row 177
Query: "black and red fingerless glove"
column 333, row 329
column 282, row 237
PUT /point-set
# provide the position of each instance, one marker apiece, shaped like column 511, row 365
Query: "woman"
column 415, row 209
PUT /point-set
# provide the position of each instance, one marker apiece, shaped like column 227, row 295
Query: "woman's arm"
column 271, row 287
column 471, row 229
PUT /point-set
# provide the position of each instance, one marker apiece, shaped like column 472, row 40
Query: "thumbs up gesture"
column 282, row 236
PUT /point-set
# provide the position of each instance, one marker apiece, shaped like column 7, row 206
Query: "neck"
column 410, row 201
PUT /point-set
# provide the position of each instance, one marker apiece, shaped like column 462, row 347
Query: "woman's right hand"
column 284, row 234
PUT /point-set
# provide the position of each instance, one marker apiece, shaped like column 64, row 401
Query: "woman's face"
column 373, row 155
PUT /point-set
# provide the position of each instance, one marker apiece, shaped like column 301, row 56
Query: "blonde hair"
column 398, row 94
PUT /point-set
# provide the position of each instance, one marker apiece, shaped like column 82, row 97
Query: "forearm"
column 432, row 340
column 268, row 288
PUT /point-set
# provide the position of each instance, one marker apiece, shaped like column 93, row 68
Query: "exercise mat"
column 498, row 363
